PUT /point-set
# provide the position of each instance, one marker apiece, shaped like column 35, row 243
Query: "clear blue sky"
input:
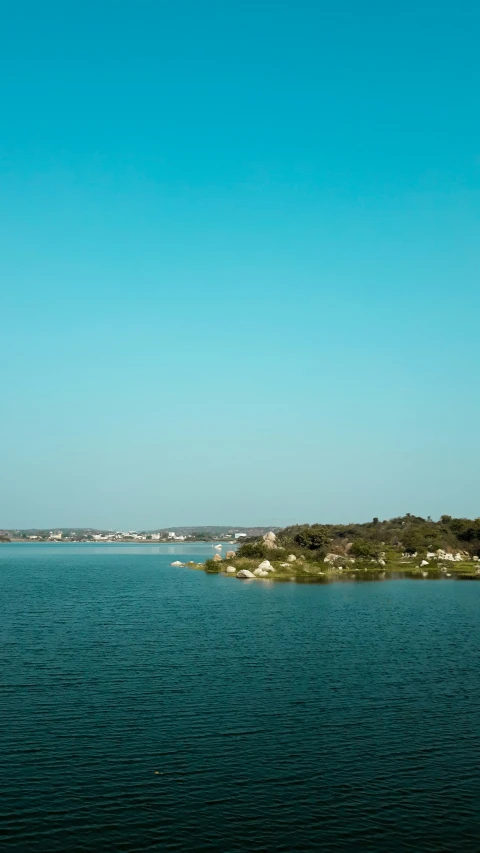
column 239, row 260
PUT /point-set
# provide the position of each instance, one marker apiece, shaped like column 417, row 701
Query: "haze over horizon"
column 240, row 262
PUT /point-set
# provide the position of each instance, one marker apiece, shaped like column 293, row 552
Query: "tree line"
column 408, row 534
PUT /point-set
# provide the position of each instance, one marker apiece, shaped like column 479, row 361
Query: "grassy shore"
column 307, row 571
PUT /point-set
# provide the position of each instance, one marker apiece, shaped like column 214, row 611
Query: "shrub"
column 213, row 567
column 312, row 538
column 366, row 548
column 254, row 551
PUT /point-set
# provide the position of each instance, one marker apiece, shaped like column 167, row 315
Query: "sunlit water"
column 147, row 707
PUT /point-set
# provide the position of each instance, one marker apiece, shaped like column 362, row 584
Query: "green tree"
column 312, row 538
column 366, row 549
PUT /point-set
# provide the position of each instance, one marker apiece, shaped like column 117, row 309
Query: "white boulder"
column 291, row 558
column 230, row 569
column 244, row 573
column 263, row 575
column 176, row 563
column 424, row 563
column 265, row 564
column 230, row 555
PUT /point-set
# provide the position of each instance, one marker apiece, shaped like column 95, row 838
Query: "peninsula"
column 408, row 546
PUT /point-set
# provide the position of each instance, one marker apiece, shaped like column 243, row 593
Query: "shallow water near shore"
column 148, row 707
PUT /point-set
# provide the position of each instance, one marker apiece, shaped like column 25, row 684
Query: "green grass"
column 319, row 572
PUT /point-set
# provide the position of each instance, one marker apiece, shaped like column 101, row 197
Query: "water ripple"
column 147, row 708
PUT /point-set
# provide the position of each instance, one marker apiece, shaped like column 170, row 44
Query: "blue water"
column 146, row 707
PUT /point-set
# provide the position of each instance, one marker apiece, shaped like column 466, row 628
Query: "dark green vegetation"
column 408, row 546
column 406, row 534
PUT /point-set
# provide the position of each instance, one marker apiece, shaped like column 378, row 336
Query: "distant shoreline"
column 103, row 542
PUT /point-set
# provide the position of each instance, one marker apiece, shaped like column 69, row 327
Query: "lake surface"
column 146, row 707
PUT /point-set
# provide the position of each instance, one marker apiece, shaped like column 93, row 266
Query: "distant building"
column 240, row 535
column 173, row 536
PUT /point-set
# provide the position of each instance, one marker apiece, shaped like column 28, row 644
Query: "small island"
column 404, row 547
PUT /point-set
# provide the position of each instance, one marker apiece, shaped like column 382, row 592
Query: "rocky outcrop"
column 217, row 558
column 451, row 558
column 244, row 574
column 269, row 540
column 177, row 563
column 230, row 555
